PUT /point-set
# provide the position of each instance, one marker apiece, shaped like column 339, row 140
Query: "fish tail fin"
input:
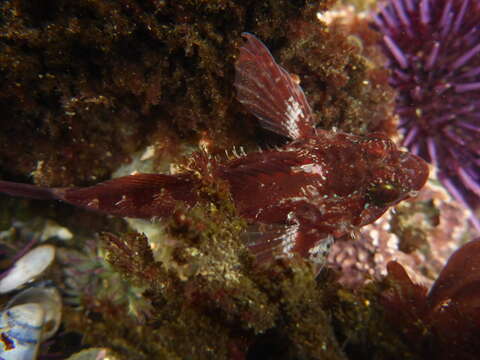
column 136, row 196
column 27, row 191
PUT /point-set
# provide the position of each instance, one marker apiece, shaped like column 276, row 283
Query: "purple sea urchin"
column 434, row 53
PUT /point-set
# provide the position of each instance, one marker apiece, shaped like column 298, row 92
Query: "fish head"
column 392, row 175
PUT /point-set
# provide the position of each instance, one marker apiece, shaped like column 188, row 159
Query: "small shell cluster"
column 33, row 314
column 27, row 268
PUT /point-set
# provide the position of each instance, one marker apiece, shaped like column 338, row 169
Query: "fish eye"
column 383, row 194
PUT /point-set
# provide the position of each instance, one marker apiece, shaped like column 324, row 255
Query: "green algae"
column 360, row 320
column 208, row 300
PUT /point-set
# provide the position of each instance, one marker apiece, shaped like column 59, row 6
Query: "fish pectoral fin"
column 268, row 242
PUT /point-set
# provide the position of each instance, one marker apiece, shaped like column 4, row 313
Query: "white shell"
column 21, row 328
column 51, row 302
column 93, row 354
column 27, row 268
column 31, row 317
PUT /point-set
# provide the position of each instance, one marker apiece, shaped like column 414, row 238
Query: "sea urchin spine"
column 433, row 48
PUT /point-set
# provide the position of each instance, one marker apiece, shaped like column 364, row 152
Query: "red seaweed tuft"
column 445, row 323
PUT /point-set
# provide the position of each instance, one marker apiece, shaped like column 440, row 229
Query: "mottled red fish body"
column 298, row 198
column 329, row 184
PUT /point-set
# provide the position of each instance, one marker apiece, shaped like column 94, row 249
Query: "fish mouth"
column 416, row 169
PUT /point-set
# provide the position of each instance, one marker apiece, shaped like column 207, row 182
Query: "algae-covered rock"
column 89, row 85
column 84, row 83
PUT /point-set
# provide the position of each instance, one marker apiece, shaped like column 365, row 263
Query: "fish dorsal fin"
column 270, row 93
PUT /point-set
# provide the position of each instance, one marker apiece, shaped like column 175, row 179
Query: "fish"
column 297, row 198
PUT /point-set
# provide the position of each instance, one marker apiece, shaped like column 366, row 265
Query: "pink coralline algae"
column 321, row 185
column 420, row 234
column 433, row 48
column 444, row 322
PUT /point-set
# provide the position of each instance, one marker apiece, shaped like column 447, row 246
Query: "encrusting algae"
column 89, row 85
